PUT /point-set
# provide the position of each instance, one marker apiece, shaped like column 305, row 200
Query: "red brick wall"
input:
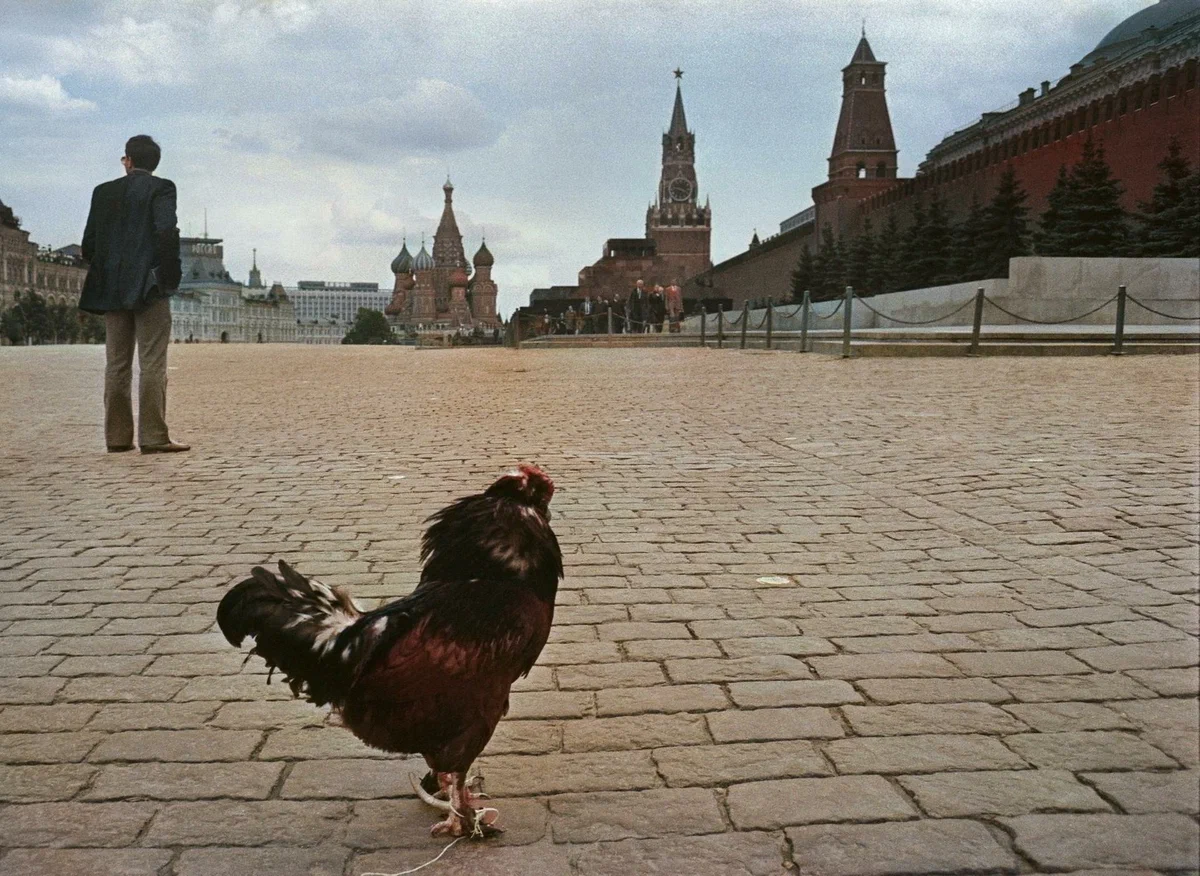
column 1134, row 143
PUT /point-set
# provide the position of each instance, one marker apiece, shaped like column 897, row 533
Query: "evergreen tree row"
column 1083, row 217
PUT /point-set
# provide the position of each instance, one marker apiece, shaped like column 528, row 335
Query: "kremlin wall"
column 1132, row 93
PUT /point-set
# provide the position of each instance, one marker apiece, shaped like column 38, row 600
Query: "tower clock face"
column 680, row 189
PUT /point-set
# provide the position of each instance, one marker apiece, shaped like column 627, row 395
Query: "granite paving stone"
column 585, row 818
column 763, row 724
column 1166, row 842
column 94, row 862
column 1084, row 750
column 324, row 860
column 935, row 846
column 756, row 853
column 184, row 781
column 1176, row 791
column 770, row 805
column 922, row 718
column 737, row 762
column 862, row 634
column 1001, row 792
column 924, row 754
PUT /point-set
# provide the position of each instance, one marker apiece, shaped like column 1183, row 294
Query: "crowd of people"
column 643, row 311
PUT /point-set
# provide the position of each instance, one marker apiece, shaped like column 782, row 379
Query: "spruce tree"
column 885, row 260
column 964, row 245
column 804, row 275
column 858, row 267
column 912, row 243
column 938, row 240
column 1171, row 219
column 1089, row 220
column 1005, row 231
column 1057, row 202
column 829, row 269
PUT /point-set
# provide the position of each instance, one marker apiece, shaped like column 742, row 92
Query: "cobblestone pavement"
column 826, row 617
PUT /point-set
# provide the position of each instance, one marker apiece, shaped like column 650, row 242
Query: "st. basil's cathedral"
column 438, row 292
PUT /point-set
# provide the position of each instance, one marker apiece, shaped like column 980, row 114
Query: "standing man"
column 658, row 309
column 131, row 245
column 636, row 308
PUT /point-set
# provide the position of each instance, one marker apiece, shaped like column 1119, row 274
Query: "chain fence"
column 1033, row 321
column 880, row 313
column 724, row 325
column 1129, row 297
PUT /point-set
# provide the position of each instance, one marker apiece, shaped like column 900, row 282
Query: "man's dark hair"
column 143, row 152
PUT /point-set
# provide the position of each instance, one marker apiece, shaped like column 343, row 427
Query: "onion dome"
column 403, row 263
column 483, row 258
column 423, row 261
column 459, row 277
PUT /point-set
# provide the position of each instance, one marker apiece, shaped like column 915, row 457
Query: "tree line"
column 1083, row 217
column 30, row 319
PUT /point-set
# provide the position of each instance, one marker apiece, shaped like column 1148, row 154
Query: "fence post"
column 770, row 320
column 745, row 320
column 804, row 308
column 720, row 326
column 975, row 326
column 703, row 326
column 848, row 301
column 1119, row 336
column 610, row 319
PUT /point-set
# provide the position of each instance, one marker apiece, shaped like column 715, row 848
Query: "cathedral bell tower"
column 679, row 226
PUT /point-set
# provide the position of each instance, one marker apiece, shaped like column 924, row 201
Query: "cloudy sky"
column 320, row 131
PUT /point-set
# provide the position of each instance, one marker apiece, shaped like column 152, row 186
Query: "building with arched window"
column 55, row 274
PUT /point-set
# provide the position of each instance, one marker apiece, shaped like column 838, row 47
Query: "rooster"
column 429, row 673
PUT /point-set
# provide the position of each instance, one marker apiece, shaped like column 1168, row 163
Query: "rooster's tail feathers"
column 296, row 624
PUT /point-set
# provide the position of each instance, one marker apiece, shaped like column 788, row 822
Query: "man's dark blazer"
column 131, row 244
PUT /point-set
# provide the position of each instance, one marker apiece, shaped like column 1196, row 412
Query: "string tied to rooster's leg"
column 480, row 824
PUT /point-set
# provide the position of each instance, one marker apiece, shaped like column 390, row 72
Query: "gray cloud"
column 320, row 130
column 433, row 118
column 43, row 93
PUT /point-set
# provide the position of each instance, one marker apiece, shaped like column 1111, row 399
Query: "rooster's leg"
column 464, row 819
column 475, row 788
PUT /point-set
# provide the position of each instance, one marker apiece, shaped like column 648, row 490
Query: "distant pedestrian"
column 131, row 245
column 589, row 326
column 674, row 296
column 658, row 309
column 636, row 306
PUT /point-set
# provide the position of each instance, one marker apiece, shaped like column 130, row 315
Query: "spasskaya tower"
column 680, row 228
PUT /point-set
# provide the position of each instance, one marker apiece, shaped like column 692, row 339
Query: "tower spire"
column 678, row 119
column 447, row 240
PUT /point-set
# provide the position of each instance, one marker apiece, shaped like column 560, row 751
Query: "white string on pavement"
column 423, row 866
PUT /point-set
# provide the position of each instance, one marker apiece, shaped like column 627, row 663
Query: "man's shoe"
column 169, row 447
column 119, row 448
